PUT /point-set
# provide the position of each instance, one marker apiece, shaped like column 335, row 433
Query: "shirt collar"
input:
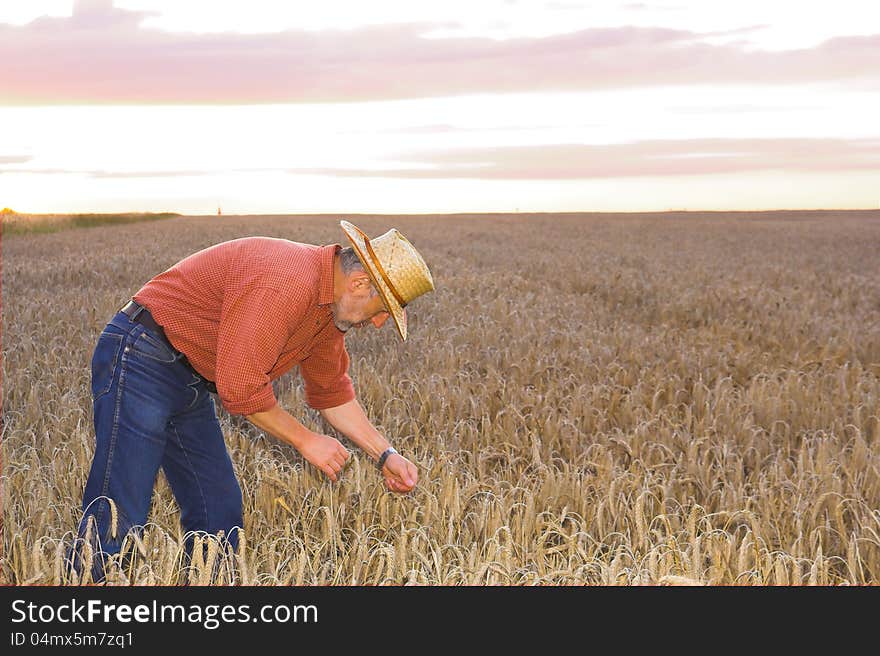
column 325, row 287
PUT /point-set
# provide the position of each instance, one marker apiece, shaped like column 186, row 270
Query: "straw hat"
column 395, row 267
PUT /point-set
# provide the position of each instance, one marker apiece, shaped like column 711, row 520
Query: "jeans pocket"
column 152, row 347
column 105, row 361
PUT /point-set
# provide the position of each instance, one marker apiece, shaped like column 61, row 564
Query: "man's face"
column 360, row 305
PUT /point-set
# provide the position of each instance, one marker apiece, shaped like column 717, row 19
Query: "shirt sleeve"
column 325, row 374
column 254, row 327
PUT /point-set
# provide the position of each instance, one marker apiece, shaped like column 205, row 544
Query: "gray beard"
column 344, row 326
column 341, row 325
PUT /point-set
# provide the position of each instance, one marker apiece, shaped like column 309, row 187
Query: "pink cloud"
column 98, row 173
column 104, row 54
column 14, row 159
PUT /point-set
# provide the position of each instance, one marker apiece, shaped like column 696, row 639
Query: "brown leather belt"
column 140, row 314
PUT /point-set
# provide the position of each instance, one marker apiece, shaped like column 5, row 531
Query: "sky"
column 339, row 106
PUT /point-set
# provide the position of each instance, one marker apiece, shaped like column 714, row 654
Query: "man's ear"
column 360, row 280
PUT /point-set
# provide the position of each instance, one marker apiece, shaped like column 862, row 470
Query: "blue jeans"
column 152, row 411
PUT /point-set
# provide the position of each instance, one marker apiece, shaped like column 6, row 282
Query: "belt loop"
column 134, row 315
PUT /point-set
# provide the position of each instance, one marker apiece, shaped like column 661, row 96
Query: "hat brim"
column 395, row 309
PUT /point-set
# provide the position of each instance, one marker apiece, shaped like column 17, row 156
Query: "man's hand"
column 326, row 453
column 349, row 418
column 400, row 474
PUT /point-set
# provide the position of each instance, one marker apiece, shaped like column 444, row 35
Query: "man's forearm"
column 281, row 424
column 351, row 420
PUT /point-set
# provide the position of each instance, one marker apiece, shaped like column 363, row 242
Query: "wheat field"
column 595, row 399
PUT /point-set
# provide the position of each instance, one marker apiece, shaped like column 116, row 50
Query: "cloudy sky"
column 438, row 106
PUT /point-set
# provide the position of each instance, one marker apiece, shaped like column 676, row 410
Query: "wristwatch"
column 387, row 452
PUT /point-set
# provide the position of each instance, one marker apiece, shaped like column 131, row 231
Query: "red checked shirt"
column 246, row 311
